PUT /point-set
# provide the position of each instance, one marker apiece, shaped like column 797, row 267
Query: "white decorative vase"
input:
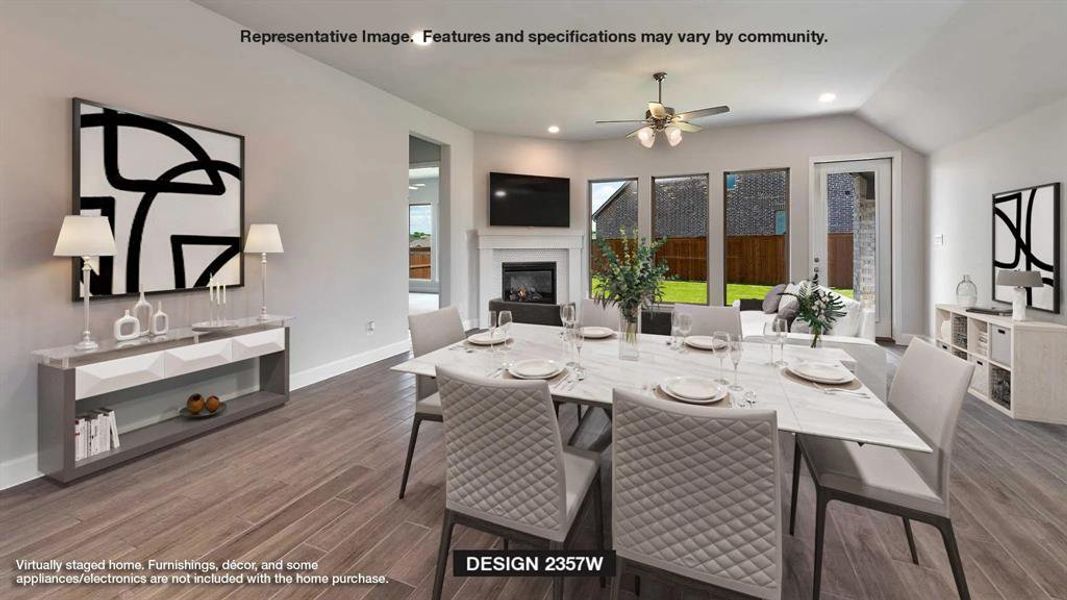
column 160, row 321
column 142, row 311
column 127, row 327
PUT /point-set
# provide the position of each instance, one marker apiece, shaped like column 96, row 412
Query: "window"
column 420, row 241
column 612, row 211
column 680, row 214
column 757, row 232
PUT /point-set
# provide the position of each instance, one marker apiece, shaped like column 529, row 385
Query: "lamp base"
column 86, row 344
column 1018, row 305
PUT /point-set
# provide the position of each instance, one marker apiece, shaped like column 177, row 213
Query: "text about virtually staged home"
column 509, row 300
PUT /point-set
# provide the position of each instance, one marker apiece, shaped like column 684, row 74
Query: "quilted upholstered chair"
column 927, row 393
column 507, row 471
column 709, row 319
column 429, row 331
column 593, row 315
column 696, row 495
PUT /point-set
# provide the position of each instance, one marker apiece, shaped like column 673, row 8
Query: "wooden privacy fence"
column 840, row 252
column 751, row 259
column 418, row 263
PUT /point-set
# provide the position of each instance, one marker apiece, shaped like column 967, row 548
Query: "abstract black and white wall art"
column 1026, row 237
column 173, row 192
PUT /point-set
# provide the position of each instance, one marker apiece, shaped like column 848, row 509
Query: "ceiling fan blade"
column 620, row 121
column 657, row 111
column 686, row 127
column 704, row 112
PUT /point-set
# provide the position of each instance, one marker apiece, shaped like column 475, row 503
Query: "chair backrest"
column 696, row 490
column 927, row 393
column 709, row 319
column 431, row 331
column 593, row 315
column 503, row 453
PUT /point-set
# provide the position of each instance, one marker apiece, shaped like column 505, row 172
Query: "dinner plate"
column 536, row 368
column 693, row 389
column 821, row 372
column 484, row 339
column 703, row 342
column 596, row 333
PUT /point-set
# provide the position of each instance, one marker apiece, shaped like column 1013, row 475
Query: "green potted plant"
column 818, row 307
column 628, row 276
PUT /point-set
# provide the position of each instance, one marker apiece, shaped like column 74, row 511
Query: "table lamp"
column 1020, row 280
column 263, row 239
column 88, row 238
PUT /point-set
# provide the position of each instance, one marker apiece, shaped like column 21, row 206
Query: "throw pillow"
column 773, row 299
column 788, row 306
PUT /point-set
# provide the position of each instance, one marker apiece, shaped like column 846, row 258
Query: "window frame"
column 707, row 229
column 788, row 220
column 589, row 222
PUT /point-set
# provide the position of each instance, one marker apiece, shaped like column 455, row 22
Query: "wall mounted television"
column 529, row 201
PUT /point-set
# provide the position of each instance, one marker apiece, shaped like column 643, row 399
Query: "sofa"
column 858, row 322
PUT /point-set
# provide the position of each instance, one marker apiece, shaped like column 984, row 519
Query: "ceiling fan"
column 659, row 118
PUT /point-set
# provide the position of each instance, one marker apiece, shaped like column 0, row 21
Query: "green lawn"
column 696, row 292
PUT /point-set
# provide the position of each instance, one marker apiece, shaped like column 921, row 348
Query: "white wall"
column 1028, row 150
column 326, row 158
column 786, row 144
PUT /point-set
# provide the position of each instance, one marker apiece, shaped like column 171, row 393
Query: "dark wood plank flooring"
column 316, row 480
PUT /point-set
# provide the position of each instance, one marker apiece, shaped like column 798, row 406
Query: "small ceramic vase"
column 142, row 311
column 127, row 327
column 160, row 321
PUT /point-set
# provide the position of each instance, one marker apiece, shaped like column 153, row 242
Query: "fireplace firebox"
column 529, row 282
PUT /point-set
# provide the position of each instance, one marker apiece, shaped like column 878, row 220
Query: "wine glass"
column 685, row 326
column 781, row 332
column 737, row 349
column 504, row 321
column 770, row 336
column 720, row 347
column 579, row 340
column 674, row 329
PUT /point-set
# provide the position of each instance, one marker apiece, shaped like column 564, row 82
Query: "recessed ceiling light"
column 411, row 187
column 553, row 128
column 419, row 40
column 827, row 97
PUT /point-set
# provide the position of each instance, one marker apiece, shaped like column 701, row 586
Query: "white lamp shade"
column 263, row 238
column 647, row 136
column 674, row 136
column 1022, row 279
column 85, row 236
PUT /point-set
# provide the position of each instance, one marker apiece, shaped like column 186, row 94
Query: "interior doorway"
column 852, row 234
column 424, row 225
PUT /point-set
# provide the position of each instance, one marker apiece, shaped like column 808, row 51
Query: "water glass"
column 504, row 324
column 781, row 332
column 685, row 326
column 737, row 349
column 770, row 337
column 720, row 347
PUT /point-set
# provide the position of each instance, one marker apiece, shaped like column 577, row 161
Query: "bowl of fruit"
column 199, row 407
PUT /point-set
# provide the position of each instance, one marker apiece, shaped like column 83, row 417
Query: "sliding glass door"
column 852, row 233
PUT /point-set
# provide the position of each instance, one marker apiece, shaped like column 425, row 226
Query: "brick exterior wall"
column 681, row 207
column 752, row 203
column 620, row 212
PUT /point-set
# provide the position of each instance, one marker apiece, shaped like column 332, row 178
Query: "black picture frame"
column 1019, row 194
column 78, row 202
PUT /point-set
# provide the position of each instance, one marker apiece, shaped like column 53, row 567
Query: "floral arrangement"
column 818, row 307
column 630, row 278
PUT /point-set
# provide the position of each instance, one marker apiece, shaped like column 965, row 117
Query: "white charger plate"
column 822, row 372
column 484, row 339
column 704, row 342
column 697, row 390
column 596, row 333
column 536, row 368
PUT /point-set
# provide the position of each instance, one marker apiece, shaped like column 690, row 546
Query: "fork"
column 828, row 390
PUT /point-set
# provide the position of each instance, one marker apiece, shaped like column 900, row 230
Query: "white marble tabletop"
column 801, row 407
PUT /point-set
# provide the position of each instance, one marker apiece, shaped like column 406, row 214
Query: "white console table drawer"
column 197, row 357
column 108, row 376
column 258, row 344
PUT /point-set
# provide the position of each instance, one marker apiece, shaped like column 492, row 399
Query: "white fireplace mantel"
column 563, row 247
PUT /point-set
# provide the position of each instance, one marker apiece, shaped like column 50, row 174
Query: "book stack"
column 95, row 432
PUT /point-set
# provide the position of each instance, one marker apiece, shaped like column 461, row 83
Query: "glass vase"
column 629, row 328
column 966, row 292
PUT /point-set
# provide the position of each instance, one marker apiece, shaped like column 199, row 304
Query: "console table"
column 66, row 377
column 1018, row 365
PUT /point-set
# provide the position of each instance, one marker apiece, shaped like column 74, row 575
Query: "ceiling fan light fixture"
column 647, row 136
column 674, row 136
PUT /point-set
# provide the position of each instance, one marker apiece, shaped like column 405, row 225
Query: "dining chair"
column 696, row 496
column 594, row 315
column 429, row 331
column 709, row 319
column 926, row 393
column 507, row 471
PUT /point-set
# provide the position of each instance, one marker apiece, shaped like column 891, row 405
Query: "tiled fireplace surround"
column 563, row 247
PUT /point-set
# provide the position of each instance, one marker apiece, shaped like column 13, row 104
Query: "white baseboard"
column 332, row 369
column 18, row 470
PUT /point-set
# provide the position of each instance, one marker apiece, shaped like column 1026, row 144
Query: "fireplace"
column 529, row 282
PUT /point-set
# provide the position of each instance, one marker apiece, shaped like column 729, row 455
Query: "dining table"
column 854, row 414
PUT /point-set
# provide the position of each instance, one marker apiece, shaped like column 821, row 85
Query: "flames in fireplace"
column 529, row 282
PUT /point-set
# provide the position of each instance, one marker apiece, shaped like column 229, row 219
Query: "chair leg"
column 557, row 582
column 442, row 554
column 796, row 486
column 598, row 515
column 820, row 529
column 411, row 452
column 911, row 540
column 555, row 405
column 616, row 582
column 949, row 536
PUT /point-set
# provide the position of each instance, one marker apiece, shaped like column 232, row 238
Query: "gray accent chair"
column 696, row 496
column 508, row 472
column 927, row 393
column 709, row 319
column 429, row 331
column 592, row 314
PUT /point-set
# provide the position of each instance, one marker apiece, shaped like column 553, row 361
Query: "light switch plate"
column 939, row 239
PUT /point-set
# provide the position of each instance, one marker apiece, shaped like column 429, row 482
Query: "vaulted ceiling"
column 926, row 72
